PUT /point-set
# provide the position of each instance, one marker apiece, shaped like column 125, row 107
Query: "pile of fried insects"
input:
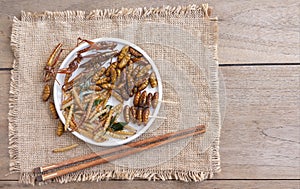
column 106, row 73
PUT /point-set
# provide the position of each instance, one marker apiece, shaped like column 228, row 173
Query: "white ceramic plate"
column 57, row 92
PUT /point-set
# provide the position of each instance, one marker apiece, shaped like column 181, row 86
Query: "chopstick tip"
column 37, row 170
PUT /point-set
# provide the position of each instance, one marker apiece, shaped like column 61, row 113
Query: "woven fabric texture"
column 182, row 41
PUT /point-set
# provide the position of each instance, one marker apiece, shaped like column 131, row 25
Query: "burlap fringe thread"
column 124, row 13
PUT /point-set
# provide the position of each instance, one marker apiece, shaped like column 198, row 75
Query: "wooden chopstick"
column 111, row 150
column 148, row 143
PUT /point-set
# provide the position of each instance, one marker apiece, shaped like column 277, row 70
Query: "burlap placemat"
column 181, row 40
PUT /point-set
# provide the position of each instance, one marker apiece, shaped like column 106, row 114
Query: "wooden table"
column 260, row 67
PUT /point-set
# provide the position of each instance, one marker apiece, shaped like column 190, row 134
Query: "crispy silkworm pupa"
column 148, row 100
column 53, row 110
column 60, row 128
column 139, row 116
column 153, row 80
column 136, row 99
column 143, row 99
column 146, row 113
column 135, row 52
column 155, row 100
column 46, row 92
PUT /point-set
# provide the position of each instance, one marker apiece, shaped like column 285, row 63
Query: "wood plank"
column 250, row 32
column 221, row 184
column 261, row 128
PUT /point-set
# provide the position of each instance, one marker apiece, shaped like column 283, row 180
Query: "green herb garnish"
column 118, row 126
column 97, row 102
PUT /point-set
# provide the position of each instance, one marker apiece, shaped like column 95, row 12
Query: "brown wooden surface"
column 250, row 32
column 260, row 139
column 210, row 184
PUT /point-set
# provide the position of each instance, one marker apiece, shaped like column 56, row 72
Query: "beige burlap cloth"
column 182, row 43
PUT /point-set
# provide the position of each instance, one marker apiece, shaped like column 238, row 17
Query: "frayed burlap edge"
column 96, row 176
column 14, row 165
column 124, row 13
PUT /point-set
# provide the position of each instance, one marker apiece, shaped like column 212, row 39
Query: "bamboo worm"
column 114, row 135
column 77, row 100
column 69, row 117
column 122, row 132
column 67, row 105
column 129, row 128
column 63, row 149
column 98, row 114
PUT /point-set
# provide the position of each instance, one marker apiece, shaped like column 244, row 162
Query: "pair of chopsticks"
column 111, row 154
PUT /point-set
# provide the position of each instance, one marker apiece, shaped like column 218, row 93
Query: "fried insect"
column 122, row 132
column 108, row 119
column 52, row 61
column 53, row 110
column 46, row 92
column 140, row 61
column 124, row 94
column 117, row 96
column 99, row 74
column 113, row 75
column 69, row 117
column 155, row 100
column 72, row 66
column 117, row 109
column 135, row 71
column 133, row 115
column 73, row 126
column 148, row 100
column 108, row 86
column 63, row 149
column 139, row 116
column 135, row 52
column 67, row 77
column 136, row 99
column 141, row 81
column 95, row 88
column 129, row 128
column 97, row 59
column 124, row 61
column 85, row 133
column 67, row 100
column 95, row 45
column 68, row 86
column 123, row 52
column 60, row 128
column 118, row 73
column 144, row 85
column 103, row 80
column 114, row 135
column 94, row 117
column 66, row 105
column 153, row 80
column 126, row 112
column 144, row 70
column 129, row 69
column 112, row 65
column 143, row 98
column 89, row 108
column 146, row 113
column 130, row 85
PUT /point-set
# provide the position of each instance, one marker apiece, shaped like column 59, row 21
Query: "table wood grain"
column 260, row 83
